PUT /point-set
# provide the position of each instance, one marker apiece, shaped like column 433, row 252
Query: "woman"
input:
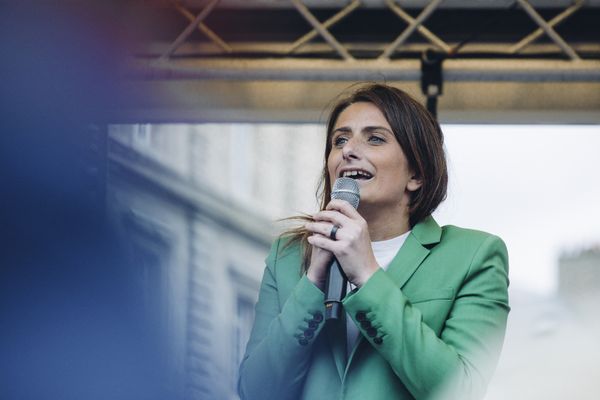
column 427, row 311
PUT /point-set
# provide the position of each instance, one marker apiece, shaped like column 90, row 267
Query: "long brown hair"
column 420, row 138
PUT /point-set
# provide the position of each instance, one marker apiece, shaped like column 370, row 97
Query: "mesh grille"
column 346, row 189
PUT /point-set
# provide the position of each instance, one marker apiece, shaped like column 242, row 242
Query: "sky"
column 535, row 186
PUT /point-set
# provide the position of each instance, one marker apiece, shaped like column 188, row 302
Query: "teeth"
column 355, row 173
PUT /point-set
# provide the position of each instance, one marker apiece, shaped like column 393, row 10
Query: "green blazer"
column 432, row 325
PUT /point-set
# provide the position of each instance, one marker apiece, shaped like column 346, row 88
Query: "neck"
column 384, row 224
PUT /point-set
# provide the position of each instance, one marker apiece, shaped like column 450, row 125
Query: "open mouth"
column 356, row 174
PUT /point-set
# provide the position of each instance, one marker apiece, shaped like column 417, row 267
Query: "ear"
column 414, row 183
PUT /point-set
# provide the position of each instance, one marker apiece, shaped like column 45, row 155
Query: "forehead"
column 361, row 114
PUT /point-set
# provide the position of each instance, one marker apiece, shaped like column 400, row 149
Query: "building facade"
column 196, row 205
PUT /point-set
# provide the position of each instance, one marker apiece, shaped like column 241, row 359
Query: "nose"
column 351, row 149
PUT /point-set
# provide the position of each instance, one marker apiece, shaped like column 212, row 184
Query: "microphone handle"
column 335, row 291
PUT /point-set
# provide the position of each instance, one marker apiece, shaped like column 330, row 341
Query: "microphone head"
column 346, row 189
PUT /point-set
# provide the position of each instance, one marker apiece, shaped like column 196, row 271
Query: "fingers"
column 323, row 242
column 332, row 217
column 343, row 207
column 338, row 212
column 321, row 228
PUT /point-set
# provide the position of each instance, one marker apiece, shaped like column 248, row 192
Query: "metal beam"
column 276, row 49
column 375, row 4
column 195, row 101
column 335, row 70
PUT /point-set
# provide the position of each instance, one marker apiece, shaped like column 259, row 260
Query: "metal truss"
column 417, row 24
column 216, row 66
column 426, row 33
column 237, row 60
column 201, row 27
column 547, row 28
column 303, row 59
column 412, row 26
column 196, row 23
column 322, row 28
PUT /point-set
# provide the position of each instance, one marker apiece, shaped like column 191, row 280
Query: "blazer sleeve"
column 279, row 349
column 460, row 362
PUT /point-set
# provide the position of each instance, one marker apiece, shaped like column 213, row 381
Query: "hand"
column 352, row 246
column 320, row 260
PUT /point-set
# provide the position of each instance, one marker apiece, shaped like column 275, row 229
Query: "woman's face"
column 365, row 148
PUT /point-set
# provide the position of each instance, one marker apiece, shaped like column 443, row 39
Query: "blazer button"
column 361, row 316
column 365, row 324
column 372, row 332
column 312, row 324
column 378, row 340
column 318, row 316
column 303, row 341
column 309, row 333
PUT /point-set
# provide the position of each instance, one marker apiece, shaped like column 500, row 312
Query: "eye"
column 376, row 139
column 339, row 140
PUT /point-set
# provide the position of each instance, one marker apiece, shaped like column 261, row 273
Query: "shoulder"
column 478, row 246
column 284, row 265
column 284, row 251
column 474, row 237
column 451, row 237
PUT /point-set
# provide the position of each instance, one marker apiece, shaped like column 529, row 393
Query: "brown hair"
column 420, row 138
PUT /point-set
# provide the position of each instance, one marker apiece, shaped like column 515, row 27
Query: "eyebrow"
column 367, row 129
column 377, row 128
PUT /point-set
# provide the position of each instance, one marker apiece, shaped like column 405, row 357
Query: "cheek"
column 331, row 166
column 394, row 174
column 332, row 177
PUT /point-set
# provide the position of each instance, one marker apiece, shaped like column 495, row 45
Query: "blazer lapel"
column 414, row 251
column 410, row 256
column 408, row 259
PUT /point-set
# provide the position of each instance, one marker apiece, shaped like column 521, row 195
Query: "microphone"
column 336, row 283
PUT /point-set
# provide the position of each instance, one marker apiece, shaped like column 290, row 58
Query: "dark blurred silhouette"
column 73, row 325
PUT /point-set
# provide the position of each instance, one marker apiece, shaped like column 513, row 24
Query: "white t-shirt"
column 384, row 252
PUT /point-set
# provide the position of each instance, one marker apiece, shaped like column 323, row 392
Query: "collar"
column 427, row 232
